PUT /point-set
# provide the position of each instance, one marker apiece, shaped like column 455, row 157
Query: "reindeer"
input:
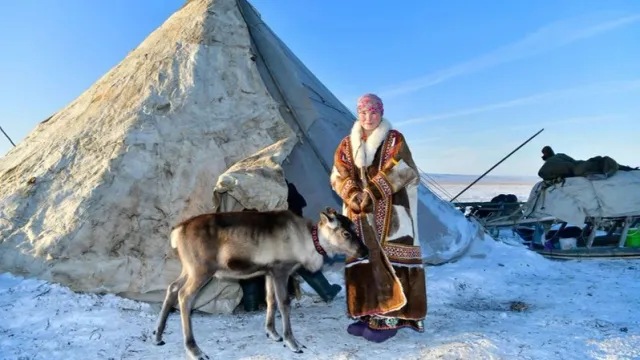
column 241, row 245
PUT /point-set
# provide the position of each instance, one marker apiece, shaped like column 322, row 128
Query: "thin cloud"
column 592, row 89
column 452, row 136
column 544, row 39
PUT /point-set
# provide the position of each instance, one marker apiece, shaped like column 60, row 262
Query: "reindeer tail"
column 175, row 236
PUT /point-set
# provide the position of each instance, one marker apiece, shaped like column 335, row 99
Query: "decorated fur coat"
column 387, row 289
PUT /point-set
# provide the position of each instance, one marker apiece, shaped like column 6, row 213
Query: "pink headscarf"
column 370, row 102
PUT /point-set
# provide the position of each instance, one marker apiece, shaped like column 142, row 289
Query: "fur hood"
column 365, row 151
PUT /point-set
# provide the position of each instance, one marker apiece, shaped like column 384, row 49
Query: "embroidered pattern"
column 316, row 241
column 403, row 255
column 345, row 159
column 402, row 251
column 383, row 185
column 382, row 207
column 358, row 223
column 346, row 156
column 370, row 102
column 385, row 323
column 382, row 210
column 391, row 322
column 347, row 186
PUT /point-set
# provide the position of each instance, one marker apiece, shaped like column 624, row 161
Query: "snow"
column 445, row 234
column 571, row 310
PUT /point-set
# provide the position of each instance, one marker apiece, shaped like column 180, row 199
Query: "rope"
column 433, row 186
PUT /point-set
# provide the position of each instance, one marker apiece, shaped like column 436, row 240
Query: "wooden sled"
column 597, row 238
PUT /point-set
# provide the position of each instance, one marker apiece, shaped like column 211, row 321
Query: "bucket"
column 633, row 238
column 568, row 243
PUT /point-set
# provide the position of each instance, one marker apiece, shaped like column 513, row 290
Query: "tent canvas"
column 576, row 198
column 88, row 197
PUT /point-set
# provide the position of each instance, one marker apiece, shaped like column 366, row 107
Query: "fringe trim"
column 356, row 262
column 397, row 264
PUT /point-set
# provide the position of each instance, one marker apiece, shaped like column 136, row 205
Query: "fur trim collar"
column 365, row 151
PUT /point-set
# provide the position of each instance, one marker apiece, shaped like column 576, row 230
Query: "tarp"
column 577, row 198
column 256, row 182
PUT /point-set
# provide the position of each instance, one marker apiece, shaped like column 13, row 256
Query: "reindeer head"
column 337, row 235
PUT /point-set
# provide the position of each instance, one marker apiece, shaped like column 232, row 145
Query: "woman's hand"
column 366, row 204
column 354, row 204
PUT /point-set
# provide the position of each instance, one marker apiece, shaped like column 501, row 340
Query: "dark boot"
column 253, row 293
column 357, row 328
column 379, row 336
column 320, row 284
column 293, row 288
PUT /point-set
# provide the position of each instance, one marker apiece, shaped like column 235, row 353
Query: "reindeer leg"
column 269, row 325
column 280, row 278
column 186, row 295
column 169, row 301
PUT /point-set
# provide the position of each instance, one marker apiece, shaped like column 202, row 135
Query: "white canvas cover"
column 256, row 182
column 137, row 152
column 87, row 199
column 581, row 197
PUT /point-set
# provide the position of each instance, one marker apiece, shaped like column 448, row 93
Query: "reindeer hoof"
column 158, row 340
column 274, row 336
column 298, row 351
column 197, row 355
column 201, row 357
column 294, row 346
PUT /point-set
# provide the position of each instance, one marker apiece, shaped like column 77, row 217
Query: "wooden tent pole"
column 499, row 162
column 5, row 134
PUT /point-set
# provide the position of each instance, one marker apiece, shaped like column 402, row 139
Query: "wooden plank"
column 625, row 231
column 592, row 234
column 600, row 252
column 479, row 203
column 521, row 221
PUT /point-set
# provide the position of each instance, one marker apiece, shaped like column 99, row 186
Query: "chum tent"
column 88, row 197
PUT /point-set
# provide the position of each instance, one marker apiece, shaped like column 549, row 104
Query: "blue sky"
column 466, row 81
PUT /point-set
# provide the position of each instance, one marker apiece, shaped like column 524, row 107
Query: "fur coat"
column 388, row 288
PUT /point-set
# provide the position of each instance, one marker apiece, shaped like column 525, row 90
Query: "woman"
column 376, row 178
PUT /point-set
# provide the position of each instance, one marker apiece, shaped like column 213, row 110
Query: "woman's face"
column 369, row 120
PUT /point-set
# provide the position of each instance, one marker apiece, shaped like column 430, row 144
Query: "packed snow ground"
column 500, row 302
